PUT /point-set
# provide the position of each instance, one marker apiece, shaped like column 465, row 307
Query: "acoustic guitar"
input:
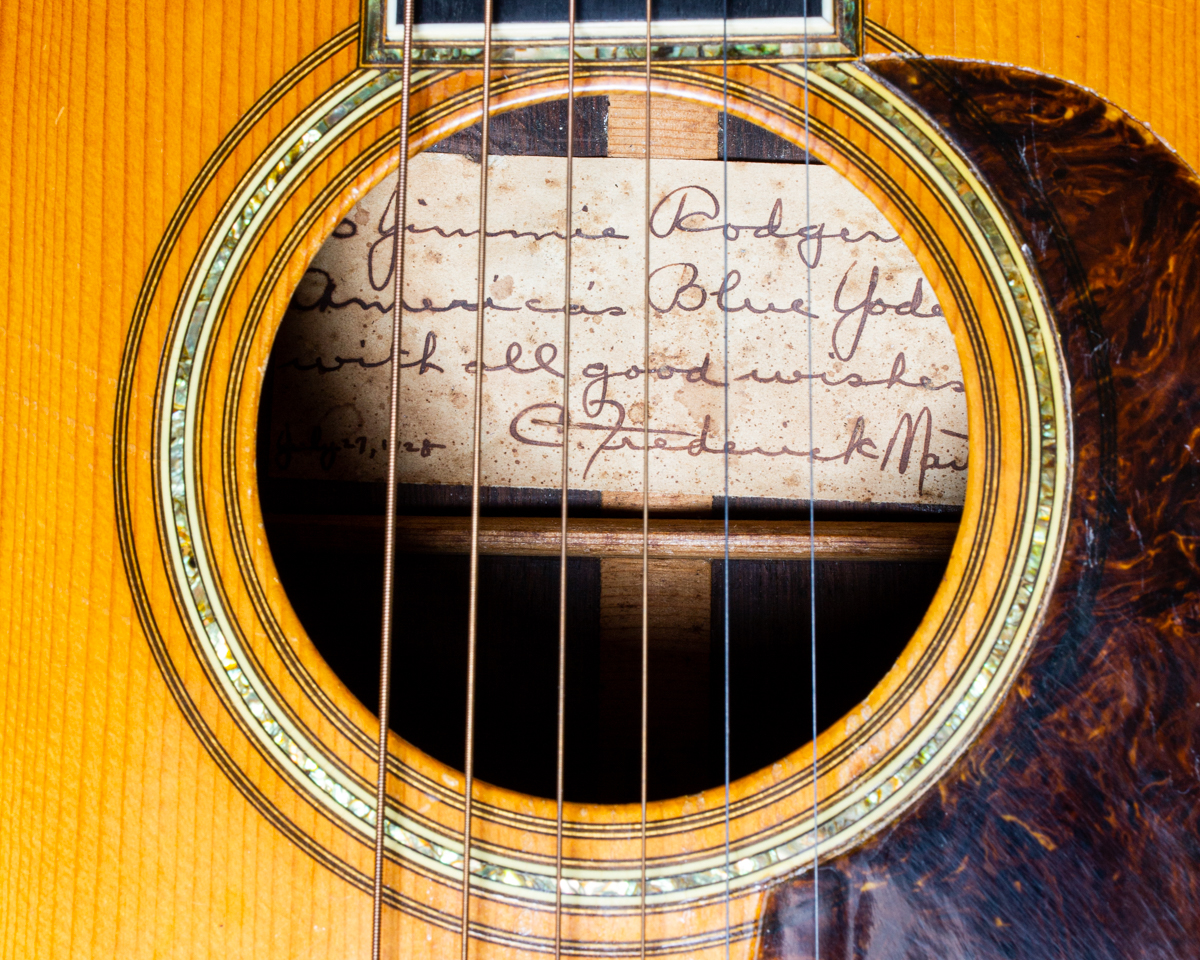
column 611, row 451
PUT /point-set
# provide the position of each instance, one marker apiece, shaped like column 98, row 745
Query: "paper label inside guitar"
column 828, row 308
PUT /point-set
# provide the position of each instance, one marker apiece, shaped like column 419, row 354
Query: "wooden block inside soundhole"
column 680, row 608
column 679, row 129
column 661, row 504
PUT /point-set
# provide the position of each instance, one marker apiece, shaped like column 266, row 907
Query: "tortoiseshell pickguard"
column 1071, row 828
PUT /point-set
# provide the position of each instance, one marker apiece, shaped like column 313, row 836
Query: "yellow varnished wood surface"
column 120, row 837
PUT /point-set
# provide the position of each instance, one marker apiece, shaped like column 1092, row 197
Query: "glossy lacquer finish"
column 1069, row 829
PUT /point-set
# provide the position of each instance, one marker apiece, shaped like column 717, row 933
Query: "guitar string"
column 390, row 520
column 566, row 456
column 476, row 457
column 725, row 457
column 645, row 496
column 389, row 536
column 812, row 492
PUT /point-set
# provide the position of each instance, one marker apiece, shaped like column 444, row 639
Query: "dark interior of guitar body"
column 327, row 541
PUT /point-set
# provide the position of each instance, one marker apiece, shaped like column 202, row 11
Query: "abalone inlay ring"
column 876, row 795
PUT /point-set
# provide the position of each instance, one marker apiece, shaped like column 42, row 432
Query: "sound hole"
column 325, row 529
